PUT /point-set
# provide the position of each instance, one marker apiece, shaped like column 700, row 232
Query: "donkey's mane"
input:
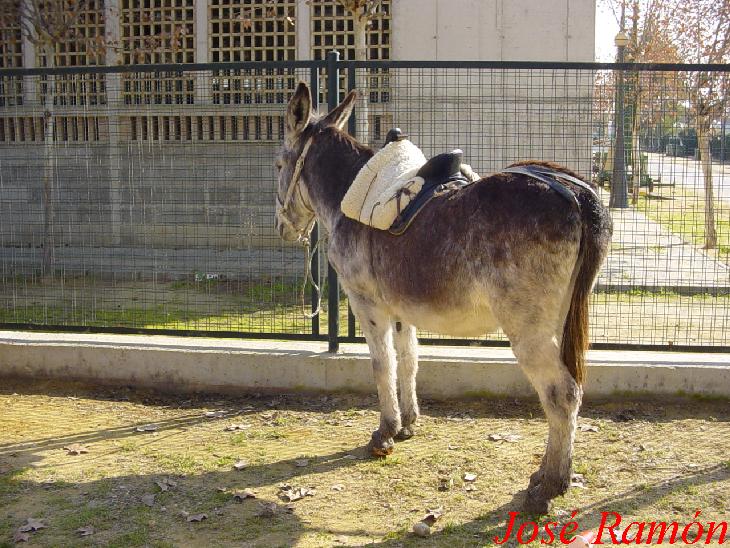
column 339, row 136
column 338, row 154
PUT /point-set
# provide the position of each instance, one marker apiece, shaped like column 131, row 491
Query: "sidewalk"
column 645, row 255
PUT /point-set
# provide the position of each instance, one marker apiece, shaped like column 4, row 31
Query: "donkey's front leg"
column 376, row 327
column 406, row 348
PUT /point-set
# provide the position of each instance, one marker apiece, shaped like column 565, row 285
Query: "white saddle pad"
column 385, row 185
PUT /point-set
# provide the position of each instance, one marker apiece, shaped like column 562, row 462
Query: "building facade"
column 148, row 164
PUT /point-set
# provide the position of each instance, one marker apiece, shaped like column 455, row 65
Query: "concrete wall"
column 181, row 208
column 215, row 365
column 217, row 195
column 496, row 117
column 494, row 30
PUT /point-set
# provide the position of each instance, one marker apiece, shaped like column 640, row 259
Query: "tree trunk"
column 48, row 166
column 361, row 80
column 635, row 151
column 703, row 140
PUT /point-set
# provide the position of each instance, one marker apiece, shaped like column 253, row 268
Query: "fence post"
column 314, row 237
column 333, row 292
column 352, row 128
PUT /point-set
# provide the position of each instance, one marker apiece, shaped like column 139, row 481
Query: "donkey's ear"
column 341, row 113
column 299, row 110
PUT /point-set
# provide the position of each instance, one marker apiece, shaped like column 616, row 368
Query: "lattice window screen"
column 11, row 56
column 332, row 29
column 82, row 46
column 252, row 30
column 158, row 31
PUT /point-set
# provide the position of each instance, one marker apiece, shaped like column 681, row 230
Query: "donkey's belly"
column 471, row 321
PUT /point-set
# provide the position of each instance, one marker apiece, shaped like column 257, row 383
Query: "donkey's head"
column 295, row 212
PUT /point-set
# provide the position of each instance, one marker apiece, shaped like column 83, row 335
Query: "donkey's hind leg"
column 406, row 349
column 376, row 326
column 560, row 396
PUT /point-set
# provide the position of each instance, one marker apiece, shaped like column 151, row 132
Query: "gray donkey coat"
column 506, row 251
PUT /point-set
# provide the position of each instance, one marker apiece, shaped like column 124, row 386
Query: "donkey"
column 507, row 251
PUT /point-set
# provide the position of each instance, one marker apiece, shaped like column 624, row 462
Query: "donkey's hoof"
column 536, row 503
column 379, row 447
column 405, row 433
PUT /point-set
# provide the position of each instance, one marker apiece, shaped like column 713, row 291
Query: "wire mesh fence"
column 142, row 198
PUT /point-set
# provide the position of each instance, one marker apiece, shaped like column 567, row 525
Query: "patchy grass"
column 636, row 316
column 683, row 212
column 650, row 460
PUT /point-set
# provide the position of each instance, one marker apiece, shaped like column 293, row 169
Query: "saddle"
column 417, row 181
column 441, row 175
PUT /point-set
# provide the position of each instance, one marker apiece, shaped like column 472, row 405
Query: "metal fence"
column 141, row 199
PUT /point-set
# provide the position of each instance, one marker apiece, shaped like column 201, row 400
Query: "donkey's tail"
column 596, row 233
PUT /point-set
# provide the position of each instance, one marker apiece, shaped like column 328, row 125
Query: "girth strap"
column 436, row 189
column 549, row 176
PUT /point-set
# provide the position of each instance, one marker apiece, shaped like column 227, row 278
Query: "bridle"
column 294, row 184
column 303, row 233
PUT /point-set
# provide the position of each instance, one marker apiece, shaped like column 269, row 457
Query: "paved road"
column 687, row 172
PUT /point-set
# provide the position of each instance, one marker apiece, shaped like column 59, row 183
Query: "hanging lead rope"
column 310, row 252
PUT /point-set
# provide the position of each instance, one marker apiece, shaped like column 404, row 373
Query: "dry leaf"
column 85, row 531
column 338, row 487
column 242, row 494
column 509, row 438
column 288, row 493
column 470, row 487
column 240, row 465
column 76, row 449
column 31, row 524
column 165, row 483
column 147, row 428
column 148, row 500
column 587, row 428
column 301, row 463
column 233, row 427
column 445, row 484
column 470, row 477
column 20, row 537
column 432, row 515
column 197, row 517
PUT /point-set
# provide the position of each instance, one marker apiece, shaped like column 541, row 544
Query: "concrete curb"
column 181, row 364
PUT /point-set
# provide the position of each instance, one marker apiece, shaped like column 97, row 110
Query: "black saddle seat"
column 441, row 176
column 441, row 167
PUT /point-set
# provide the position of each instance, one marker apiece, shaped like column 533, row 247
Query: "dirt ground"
column 150, row 463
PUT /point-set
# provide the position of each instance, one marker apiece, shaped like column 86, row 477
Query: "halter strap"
column 294, row 183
